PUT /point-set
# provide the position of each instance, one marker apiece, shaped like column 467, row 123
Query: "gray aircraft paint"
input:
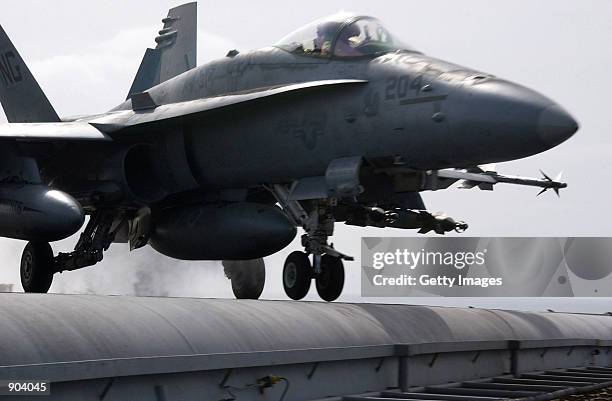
column 315, row 136
column 22, row 99
column 327, row 137
column 398, row 126
column 175, row 52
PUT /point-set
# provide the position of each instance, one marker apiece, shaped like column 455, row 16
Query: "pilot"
column 348, row 42
column 325, row 35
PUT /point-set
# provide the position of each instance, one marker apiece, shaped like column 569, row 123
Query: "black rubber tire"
column 36, row 268
column 331, row 280
column 248, row 277
column 297, row 275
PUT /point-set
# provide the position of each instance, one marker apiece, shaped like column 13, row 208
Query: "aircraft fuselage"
column 427, row 113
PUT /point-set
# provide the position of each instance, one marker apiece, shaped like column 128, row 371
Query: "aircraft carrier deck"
column 137, row 348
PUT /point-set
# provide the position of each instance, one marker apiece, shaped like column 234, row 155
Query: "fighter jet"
column 338, row 121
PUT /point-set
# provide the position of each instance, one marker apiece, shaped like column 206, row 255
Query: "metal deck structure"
column 129, row 348
column 536, row 386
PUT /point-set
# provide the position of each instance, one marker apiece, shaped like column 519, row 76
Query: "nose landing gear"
column 330, row 281
column 298, row 274
column 326, row 268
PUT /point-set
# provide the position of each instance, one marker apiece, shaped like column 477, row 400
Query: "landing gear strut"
column 326, row 268
column 38, row 264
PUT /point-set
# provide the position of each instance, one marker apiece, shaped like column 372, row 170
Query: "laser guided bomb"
column 337, row 122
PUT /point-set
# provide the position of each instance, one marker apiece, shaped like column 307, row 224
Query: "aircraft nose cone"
column 497, row 120
column 556, row 125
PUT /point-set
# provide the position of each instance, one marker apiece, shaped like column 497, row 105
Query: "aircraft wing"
column 51, row 132
column 145, row 111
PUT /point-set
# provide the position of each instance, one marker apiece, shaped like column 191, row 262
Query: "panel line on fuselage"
column 427, row 99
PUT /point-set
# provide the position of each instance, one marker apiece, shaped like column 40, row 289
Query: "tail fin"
column 175, row 53
column 22, row 99
column 148, row 73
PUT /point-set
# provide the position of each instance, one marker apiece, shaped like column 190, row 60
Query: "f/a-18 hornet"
column 337, row 122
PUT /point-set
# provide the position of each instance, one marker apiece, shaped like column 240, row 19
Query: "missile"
column 487, row 179
column 556, row 184
column 422, row 220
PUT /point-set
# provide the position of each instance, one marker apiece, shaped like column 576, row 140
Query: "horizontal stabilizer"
column 51, row 132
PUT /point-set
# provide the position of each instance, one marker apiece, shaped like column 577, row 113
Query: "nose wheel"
column 299, row 272
column 36, row 268
column 330, row 281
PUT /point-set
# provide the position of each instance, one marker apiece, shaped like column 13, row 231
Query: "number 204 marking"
column 400, row 87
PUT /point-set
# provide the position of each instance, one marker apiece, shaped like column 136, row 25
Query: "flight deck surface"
column 188, row 346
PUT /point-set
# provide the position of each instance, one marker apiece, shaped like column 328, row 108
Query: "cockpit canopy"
column 342, row 35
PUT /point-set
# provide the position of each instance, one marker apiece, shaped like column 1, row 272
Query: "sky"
column 85, row 55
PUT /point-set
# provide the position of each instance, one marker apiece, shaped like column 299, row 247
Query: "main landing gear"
column 38, row 265
column 247, row 276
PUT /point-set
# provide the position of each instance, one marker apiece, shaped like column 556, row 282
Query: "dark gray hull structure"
column 119, row 348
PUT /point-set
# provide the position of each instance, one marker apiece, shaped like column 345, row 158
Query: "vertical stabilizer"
column 178, row 41
column 176, row 50
column 148, row 72
column 22, row 99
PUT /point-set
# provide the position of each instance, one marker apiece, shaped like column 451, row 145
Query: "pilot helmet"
column 328, row 29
